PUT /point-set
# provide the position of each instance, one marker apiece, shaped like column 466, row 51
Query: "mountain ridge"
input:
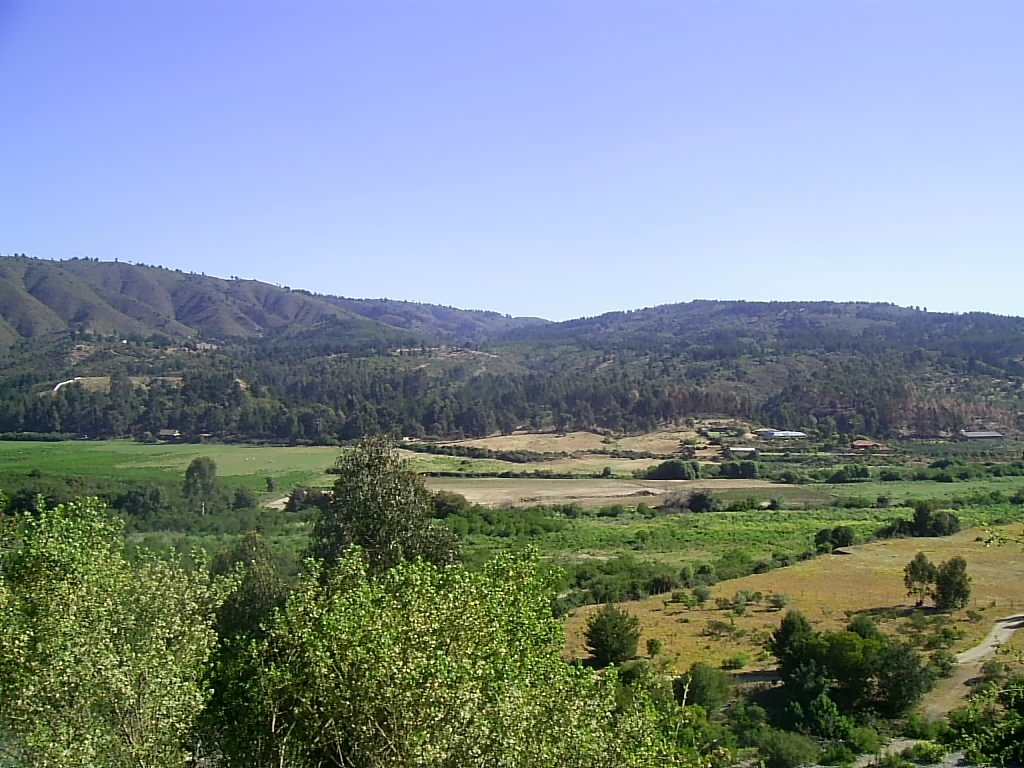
column 319, row 367
column 39, row 297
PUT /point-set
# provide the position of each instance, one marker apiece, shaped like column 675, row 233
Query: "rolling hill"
column 39, row 297
column 254, row 360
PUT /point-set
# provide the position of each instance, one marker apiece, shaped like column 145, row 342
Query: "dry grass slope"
column 826, row 590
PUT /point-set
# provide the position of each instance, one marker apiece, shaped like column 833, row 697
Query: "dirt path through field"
column 952, row 692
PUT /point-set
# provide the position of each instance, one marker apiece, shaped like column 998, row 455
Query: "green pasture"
column 426, row 463
column 139, row 461
column 691, row 537
column 900, row 490
column 672, row 538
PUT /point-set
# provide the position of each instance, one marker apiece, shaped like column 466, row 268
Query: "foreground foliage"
column 991, row 727
column 101, row 662
column 108, row 663
column 435, row 667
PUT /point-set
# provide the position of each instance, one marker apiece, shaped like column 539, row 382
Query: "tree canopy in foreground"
column 106, row 661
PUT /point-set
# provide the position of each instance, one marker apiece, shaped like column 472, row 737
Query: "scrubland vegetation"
column 443, row 621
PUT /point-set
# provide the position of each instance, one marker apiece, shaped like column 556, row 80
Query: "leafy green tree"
column 259, row 589
column 919, row 577
column 952, row 584
column 823, row 541
column 902, row 678
column 857, row 670
column 704, row 685
column 612, row 635
column 428, row 667
column 865, row 626
column 944, row 523
column 383, row 507
column 931, row 522
column 244, row 498
column 702, row 500
column 777, row 601
column 923, row 509
column 843, row 536
column 101, row 662
column 675, row 469
column 783, row 749
column 825, row 719
column 201, row 481
column 990, row 729
column 788, row 643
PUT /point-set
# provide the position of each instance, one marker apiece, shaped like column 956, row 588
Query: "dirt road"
column 952, row 692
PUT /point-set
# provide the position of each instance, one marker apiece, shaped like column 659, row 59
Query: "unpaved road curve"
column 952, row 692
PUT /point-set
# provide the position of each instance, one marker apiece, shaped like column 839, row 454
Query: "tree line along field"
column 617, row 517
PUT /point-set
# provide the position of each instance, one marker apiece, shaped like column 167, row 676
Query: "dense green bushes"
column 675, row 469
column 830, row 675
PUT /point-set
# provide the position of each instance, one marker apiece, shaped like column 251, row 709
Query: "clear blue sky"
column 532, row 157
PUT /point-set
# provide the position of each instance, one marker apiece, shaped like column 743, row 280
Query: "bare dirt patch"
column 595, row 492
column 663, row 442
column 546, row 442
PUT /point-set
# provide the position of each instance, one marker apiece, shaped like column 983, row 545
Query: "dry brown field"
column 827, row 590
column 546, row 442
column 662, row 442
column 495, row 491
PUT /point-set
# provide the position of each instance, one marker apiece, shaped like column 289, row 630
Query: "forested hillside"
column 145, row 349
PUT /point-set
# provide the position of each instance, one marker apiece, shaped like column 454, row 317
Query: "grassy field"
column 306, row 466
column 595, row 492
column 585, row 446
column 694, row 538
column 664, row 441
column 827, row 590
column 128, row 459
column 921, row 489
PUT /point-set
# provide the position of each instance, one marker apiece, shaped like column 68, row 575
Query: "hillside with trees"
column 144, row 349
